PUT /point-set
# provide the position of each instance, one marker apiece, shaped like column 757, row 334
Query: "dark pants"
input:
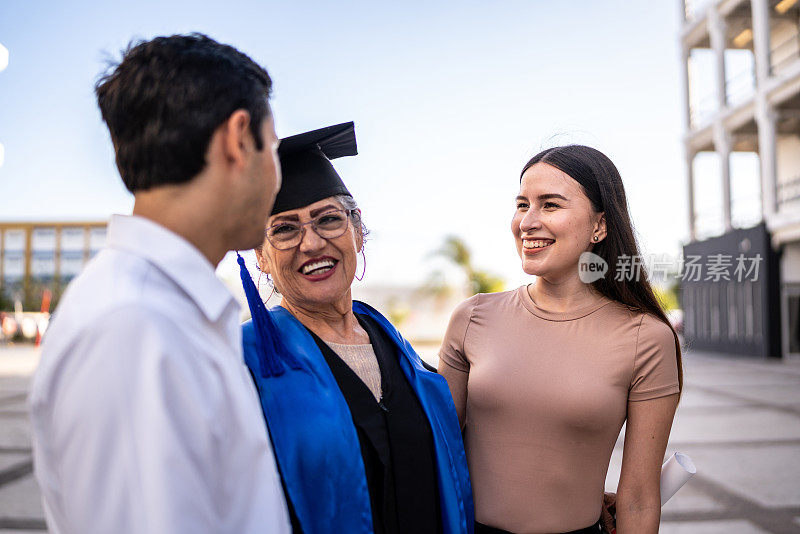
column 485, row 529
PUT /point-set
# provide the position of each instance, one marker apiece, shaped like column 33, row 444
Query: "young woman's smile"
column 553, row 223
column 535, row 245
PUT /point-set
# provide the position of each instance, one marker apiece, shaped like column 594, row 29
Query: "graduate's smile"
column 318, row 271
column 319, row 268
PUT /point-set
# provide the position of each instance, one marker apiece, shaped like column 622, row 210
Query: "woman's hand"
column 639, row 495
column 607, row 519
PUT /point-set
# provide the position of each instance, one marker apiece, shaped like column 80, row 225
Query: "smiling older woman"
column 366, row 438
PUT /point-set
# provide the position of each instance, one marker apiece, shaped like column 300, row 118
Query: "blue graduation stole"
column 312, row 431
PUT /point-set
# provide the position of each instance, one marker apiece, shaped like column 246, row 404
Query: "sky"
column 449, row 99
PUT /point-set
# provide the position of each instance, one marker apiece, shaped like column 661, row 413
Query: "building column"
column 57, row 255
column 723, row 145
column 685, row 57
column 687, row 113
column 86, row 244
column 767, row 118
column 684, row 17
column 27, row 289
column 717, row 32
column 761, row 41
column 689, row 161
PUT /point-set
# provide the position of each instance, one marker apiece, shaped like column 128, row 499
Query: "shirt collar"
column 175, row 257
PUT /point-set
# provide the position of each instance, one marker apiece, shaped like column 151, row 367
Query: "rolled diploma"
column 674, row 474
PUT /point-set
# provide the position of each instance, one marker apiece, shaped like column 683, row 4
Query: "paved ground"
column 739, row 420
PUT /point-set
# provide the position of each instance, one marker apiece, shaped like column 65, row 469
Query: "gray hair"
column 350, row 204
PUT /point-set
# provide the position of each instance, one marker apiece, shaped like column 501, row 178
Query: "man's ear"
column 261, row 258
column 236, row 137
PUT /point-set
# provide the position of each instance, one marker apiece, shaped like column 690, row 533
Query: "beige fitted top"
column 543, row 397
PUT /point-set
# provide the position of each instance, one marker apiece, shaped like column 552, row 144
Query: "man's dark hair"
column 166, row 97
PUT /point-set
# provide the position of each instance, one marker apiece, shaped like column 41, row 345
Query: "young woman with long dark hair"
column 543, row 377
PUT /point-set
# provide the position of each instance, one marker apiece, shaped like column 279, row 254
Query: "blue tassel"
column 272, row 355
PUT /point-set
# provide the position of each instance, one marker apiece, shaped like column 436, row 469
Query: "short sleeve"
column 452, row 351
column 655, row 368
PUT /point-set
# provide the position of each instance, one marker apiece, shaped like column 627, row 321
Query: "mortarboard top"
column 308, row 175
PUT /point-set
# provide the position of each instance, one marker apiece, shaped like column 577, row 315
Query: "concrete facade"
column 755, row 110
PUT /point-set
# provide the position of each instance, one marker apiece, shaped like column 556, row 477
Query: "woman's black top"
column 395, row 438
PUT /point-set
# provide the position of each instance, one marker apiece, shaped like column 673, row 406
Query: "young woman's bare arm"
column 646, row 435
column 457, row 381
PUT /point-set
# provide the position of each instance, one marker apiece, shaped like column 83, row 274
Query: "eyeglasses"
column 289, row 234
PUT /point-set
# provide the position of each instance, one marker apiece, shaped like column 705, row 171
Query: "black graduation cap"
column 308, row 175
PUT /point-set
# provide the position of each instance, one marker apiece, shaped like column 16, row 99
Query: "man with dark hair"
column 144, row 417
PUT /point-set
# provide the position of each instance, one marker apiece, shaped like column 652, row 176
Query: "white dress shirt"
column 144, row 416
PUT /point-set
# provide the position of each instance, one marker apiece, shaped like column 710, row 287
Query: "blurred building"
column 741, row 79
column 3, row 65
column 420, row 314
column 39, row 256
